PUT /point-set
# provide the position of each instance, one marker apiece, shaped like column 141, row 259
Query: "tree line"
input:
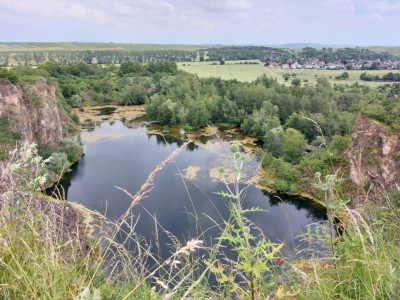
column 393, row 77
column 262, row 53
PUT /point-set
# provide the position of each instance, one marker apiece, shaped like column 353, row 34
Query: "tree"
column 134, row 95
column 75, row 101
column 299, row 122
column 261, row 120
column 343, row 76
column 293, row 144
column 130, row 67
column 296, row 82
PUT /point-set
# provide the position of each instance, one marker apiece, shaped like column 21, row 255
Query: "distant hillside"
column 63, row 46
column 311, row 45
column 380, row 49
column 33, row 54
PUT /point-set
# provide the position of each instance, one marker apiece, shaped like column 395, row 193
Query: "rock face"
column 374, row 159
column 35, row 111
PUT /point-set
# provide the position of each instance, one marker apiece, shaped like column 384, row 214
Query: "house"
column 296, row 65
column 274, row 65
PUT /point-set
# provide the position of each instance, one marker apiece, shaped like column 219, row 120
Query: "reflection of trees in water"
column 313, row 210
column 105, row 111
column 168, row 140
column 192, row 146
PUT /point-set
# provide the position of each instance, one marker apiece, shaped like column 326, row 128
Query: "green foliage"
column 343, row 76
column 363, row 259
column 300, row 123
column 261, row 121
column 29, row 74
column 39, row 274
column 162, row 67
column 59, row 163
column 340, row 143
column 8, row 137
column 131, row 67
column 72, row 148
column 293, row 144
column 285, row 177
column 367, row 77
column 134, row 95
column 75, row 101
column 11, row 76
column 296, row 82
column 75, row 118
column 256, row 254
column 393, row 196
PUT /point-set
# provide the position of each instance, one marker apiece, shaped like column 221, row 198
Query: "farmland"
column 62, row 46
column 248, row 72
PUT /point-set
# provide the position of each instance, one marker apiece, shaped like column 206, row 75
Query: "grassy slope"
column 391, row 50
column 249, row 72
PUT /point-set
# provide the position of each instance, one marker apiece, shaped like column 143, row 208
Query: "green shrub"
column 8, row 138
column 75, row 101
column 59, row 163
column 11, row 76
column 72, row 148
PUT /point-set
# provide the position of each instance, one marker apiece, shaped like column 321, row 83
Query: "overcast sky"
column 261, row 22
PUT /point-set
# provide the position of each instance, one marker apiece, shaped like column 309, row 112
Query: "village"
column 317, row 64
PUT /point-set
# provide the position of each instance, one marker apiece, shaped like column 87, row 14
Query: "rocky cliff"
column 34, row 111
column 374, row 159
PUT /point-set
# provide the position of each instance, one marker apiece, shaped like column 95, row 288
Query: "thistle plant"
column 250, row 275
column 333, row 203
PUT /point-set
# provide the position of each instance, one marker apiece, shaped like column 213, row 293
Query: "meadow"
column 248, row 72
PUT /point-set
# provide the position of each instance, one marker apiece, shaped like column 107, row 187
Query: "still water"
column 182, row 199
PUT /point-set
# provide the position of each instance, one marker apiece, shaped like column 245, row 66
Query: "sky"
column 232, row 22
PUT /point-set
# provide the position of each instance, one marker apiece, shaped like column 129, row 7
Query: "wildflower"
column 279, row 260
column 305, row 270
column 324, row 265
column 234, row 148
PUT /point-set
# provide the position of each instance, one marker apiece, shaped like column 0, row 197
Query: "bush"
column 59, row 163
column 72, row 148
column 11, row 76
column 134, row 95
column 75, row 101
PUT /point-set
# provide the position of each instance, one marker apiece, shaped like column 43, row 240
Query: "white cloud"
column 204, row 21
column 85, row 14
column 222, row 6
column 383, row 6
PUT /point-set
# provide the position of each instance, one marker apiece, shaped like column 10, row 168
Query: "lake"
column 183, row 200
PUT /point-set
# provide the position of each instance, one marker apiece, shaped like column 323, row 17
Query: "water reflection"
column 183, row 207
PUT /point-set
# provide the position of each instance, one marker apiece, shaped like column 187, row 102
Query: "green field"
column 250, row 72
column 15, row 47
